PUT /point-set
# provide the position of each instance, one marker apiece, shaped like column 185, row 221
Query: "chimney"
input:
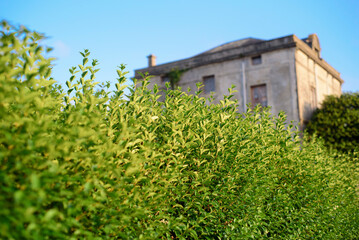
column 151, row 60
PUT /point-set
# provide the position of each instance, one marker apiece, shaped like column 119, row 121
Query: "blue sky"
column 127, row 31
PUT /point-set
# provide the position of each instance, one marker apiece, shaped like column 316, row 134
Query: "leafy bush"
column 89, row 164
column 337, row 122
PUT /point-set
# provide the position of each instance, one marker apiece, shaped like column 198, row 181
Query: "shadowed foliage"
column 337, row 122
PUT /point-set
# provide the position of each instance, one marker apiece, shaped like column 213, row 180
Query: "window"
column 165, row 79
column 256, row 60
column 209, row 84
column 259, row 95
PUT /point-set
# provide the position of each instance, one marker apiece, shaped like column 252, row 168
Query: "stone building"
column 286, row 73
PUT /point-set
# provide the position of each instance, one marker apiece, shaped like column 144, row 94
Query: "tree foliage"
column 337, row 122
column 90, row 164
column 175, row 76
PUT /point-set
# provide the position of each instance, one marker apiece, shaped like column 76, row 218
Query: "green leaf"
column 68, row 84
column 84, row 61
column 84, row 74
column 35, row 181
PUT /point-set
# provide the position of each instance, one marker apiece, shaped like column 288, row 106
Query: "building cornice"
column 300, row 45
column 248, row 50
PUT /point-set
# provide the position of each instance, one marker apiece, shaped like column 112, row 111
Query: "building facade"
column 286, row 73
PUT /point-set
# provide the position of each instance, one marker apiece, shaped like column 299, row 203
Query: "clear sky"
column 127, row 31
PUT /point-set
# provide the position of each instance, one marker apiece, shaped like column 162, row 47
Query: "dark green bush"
column 85, row 164
column 337, row 122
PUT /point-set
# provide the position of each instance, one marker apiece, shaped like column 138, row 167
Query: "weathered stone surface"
column 296, row 78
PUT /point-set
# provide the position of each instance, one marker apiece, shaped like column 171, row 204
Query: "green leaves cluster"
column 175, row 76
column 84, row 163
column 337, row 122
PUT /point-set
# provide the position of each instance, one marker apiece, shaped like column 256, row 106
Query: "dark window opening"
column 165, row 79
column 209, row 84
column 256, row 60
column 259, row 95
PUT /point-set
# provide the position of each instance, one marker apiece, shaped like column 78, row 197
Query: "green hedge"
column 89, row 164
column 337, row 122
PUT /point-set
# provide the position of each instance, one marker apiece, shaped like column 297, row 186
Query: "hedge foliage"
column 337, row 122
column 88, row 164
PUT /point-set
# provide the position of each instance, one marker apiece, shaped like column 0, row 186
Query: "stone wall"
column 314, row 84
column 277, row 71
column 296, row 78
